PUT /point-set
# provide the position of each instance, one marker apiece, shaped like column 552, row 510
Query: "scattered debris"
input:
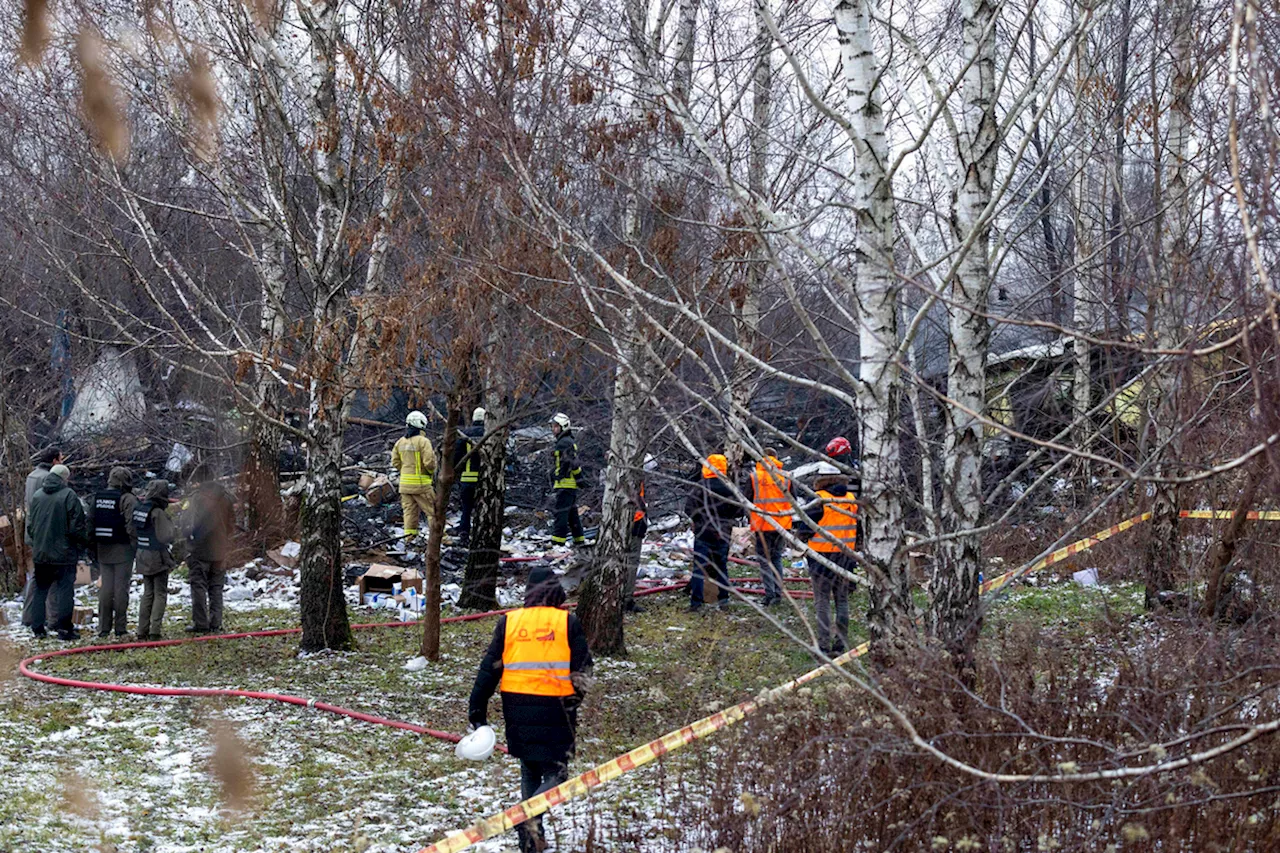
column 1086, row 577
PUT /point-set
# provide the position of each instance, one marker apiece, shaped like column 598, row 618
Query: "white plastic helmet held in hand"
column 416, row 419
column 478, row 415
column 560, row 419
column 478, row 745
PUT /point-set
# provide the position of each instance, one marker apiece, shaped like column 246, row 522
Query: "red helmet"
column 839, row 446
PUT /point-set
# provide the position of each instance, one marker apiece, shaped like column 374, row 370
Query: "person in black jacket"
column 565, row 472
column 713, row 510
column 468, row 472
column 540, row 660
column 59, row 532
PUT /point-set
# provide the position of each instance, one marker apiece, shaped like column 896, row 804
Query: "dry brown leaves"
column 35, row 31
column 231, row 767
column 78, row 796
column 201, row 96
column 266, row 13
column 100, row 99
column 9, row 657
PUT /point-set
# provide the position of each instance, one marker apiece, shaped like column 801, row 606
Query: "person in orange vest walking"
column 414, row 461
column 539, row 660
column 771, row 514
column 835, row 512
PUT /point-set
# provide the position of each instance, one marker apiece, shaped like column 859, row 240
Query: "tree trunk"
column 430, row 648
column 746, row 315
column 261, row 479
column 1215, row 594
column 480, row 578
column 1084, row 195
column 322, row 601
column 602, row 598
column 890, row 615
column 954, row 618
column 1163, row 547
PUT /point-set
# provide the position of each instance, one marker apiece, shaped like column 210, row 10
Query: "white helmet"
column 650, row 464
column 561, row 419
column 416, row 419
column 478, row 415
column 478, row 745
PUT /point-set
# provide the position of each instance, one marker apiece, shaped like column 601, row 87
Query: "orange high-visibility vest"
column 640, row 512
column 771, row 487
column 838, row 526
column 535, row 655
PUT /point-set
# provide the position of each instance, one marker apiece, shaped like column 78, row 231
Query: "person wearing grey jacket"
column 115, row 540
column 156, row 533
column 44, row 460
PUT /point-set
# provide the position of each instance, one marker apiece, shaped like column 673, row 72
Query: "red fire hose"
column 24, row 667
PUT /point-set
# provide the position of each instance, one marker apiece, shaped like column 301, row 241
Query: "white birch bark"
column 1163, row 547
column 323, row 605
column 954, row 616
column 746, row 318
column 890, row 612
column 601, row 599
column 1083, row 199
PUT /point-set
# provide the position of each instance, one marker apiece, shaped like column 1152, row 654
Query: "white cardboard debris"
column 1086, row 577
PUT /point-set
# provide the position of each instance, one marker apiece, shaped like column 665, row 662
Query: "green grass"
column 324, row 783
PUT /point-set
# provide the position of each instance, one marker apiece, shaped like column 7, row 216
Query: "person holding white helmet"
column 414, row 460
column 540, row 661
column 565, row 472
column 635, row 543
column 466, row 461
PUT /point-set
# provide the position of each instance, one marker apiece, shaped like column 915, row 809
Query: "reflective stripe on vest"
column 416, row 477
column 470, row 471
column 839, row 525
column 146, row 527
column 570, row 481
column 771, row 501
column 535, row 652
column 108, row 520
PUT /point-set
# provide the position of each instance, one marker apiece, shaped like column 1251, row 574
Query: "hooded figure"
column 115, row 540
column 155, row 534
column 44, row 460
column 540, row 661
column 58, row 533
column 209, row 523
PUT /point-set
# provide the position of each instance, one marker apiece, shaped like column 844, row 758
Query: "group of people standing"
column 122, row 532
column 832, row 516
column 711, row 506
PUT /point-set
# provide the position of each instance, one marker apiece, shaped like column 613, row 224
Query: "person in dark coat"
column 209, row 523
column 565, row 472
column 540, row 661
column 115, row 543
column 713, row 510
column 468, row 472
column 57, row 527
column 44, row 460
column 156, row 533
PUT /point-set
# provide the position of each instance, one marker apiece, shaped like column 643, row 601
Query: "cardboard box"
column 83, row 576
column 82, row 616
column 379, row 491
column 383, row 579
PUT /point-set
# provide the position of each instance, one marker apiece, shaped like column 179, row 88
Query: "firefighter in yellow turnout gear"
column 414, row 461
